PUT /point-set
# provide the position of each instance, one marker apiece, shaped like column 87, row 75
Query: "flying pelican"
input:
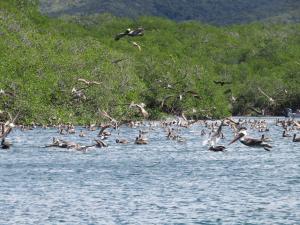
column 88, row 82
column 140, row 108
column 132, row 33
column 222, row 82
column 137, row 45
column 78, row 94
column 271, row 100
column 215, row 136
column 296, row 139
column 249, row 141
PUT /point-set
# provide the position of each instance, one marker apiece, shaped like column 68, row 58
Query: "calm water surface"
column 164, row 182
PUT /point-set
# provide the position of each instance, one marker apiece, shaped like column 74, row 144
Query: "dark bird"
column 249, row 141
column 285, row 134
column 296, row 139
column 131, row 33
column 122, row 141
column 218, row 148
column 222, row 83
column 5, row 144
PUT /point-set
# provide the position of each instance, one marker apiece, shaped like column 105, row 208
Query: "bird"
column 141, row 108
column 78, row 94
column 215, row 136
column 249, row 141
column 5, row 144
column 271, row 100
column 100, row 143
column 122, row 141
column 296, row 139
column 218, row 148
column 132, row 33
column 88, row 82
column 137, row 45
column 222, row 83
column 285, row 134
column 81, row 134
column 140, row 141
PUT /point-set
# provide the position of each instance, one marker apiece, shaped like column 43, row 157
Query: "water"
column 164, row 182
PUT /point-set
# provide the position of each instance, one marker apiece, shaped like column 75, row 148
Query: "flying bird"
column 271, row 100
column 131, row 33
column 137, row 45
column 141, row 108
column 222, row 83
column 87, row 82
column 249, row 141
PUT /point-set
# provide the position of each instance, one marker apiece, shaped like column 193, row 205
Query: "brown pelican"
column 112, row 120
column 215, row 136
column 102, row 131
column 100, row 144
column 132, row 33
column 122, row 141
column 78, row 94
column 271, row 100
column 137, row 45
column 87, row 82
column 140, row 141
column 141, row 109
column 285, row 134
column 218, row 148
column 296, row 139
column 5, row 144
column 81, row 134
column 249, row 141
column 222, row 82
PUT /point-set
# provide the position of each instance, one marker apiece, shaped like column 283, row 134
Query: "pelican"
column 122, row 141
column 81, row 134
column 137, row 45
column 141, row 109
column 140, row 141
column 249, row 141
column 222, row 83
column 88, row 82
column 285, row 134
column 132, row 33
column 218, row 148
column 296, row 139
column 271, row 100
column 215, row 136
column 5, row 144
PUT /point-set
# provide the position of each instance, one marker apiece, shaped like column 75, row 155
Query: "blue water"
column 164, row 182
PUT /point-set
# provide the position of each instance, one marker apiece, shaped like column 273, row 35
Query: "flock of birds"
column 211, row 130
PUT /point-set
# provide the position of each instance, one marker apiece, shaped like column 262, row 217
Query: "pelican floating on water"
column 296, row 139
column 249, row 141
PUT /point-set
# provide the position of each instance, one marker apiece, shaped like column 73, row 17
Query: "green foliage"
column 42, row 58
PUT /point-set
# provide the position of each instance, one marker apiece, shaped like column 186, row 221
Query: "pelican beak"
column 237, row 137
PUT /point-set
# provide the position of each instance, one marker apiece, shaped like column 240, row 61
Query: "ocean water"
column 164, row 182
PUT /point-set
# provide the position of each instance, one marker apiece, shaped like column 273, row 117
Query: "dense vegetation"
column 221, row 12
column 41, row 60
